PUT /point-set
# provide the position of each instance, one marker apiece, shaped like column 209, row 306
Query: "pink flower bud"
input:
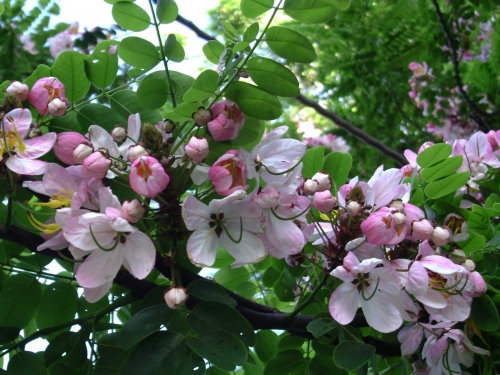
column 228, row 174
column 197, row 149
column 440, row 236
column 132, row 211
column 81, row 153
column 202, row 116
column 324, row 181
column 493, row 137
column 421, row 230
column 65, row 145
column 147, row 177
column 323, row 201
column 135, row 152
column 175, row 297
column 19, row 90
column 119, row 134
column 310, row 186
column 57, row 107
column 353, row 208
column 96, row 165
column 44, row 91
column 227, row 120
column 382, row 228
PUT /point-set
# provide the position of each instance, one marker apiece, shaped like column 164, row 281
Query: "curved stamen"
column 117, row 241
column 449, row 288
column 280, row 173
column 44, row 228
column 71, row 260
column 374, row 291
column 229, row 235
column 289, row 218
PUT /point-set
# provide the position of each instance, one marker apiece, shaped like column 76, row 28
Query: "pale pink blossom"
column 147, row 177
column 175, row 297
column 133, row 211
column 65, row 145
column 229, row 173
column 19, row 90
column 44, row 91
column 227, row 120
column 197, row 149
column 96, row 165
column 324, row 201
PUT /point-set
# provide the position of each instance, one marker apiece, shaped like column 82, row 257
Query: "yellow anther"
column 44, row 228
column 57, row 201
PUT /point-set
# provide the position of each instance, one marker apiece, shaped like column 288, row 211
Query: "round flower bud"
column 175, row 297
column 399, row 218
column 440, row 236
column 135, row 152
column 297, row 290
column 168, row 126
column 469, row 264
column 421, row 229
column 66, row 144
column 323, row 201
column 19, row 90
column 82, row 151
column 57, row 107
column 310, row 186
column 197, row 149
column 324, row 181
column 202, row 116
column 353, row 208
column 119, row 134
column 96, row 165
column 132, row 211
column 397, row 204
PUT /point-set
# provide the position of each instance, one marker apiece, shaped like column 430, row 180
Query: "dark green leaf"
column 288, row 342
column 320, row 327
column 247, row 289
column 286, row 363
column 351, row 355
column 203, row 87
column 231, row 277
column 283, row 288
column 57, row 305
column 131, row 16
column 19, row 299
column 102, row 65
column 8, row 334
column 290, row 44
column 26, row 363
column 484, row 314
column 152, row 93
column 40, row 72
column 98, row 114
column 138, row 52
column 209, row 291
column 321, row 365
column 337, row 165
column 125, row 103
column 266, row 345
column 69, row 68
column 68, row 122
column 313, row 161
column 253, row 101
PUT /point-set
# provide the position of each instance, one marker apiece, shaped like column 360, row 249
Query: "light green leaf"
column 152, row 93
column 320, row 327
column 251, row 32
column 183, row 112
column 290, row 45
column 313, row 161
column 286, row 363
column 125, row 103
column 337, row 165
column 26, row 363
column 69, row 68
column 445, row 186
column 433, row 155
column 310, row 11
column 166, row 11
column 102, row 65
column 254, row 8
column 442, row 169
column 131, row 16
column 273, row 77
column 2, row 8
column 173, row 49
column 19, row 299
column 351, row 355
column 203, row 87
column 231, row 277
column 253, row 101
column 138, row 52
column 57, row 305
column 98, row 114
column 213, row 50
column 247, row 289
column 40, row 72
column 283, row 288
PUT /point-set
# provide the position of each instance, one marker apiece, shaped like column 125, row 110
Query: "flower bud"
column 202, row 116
column 353, row 208
column 168, row 126
column 132, row 211
column 324, row 181
column 297, row 290
column 323, row 201
column 81, row 153
column 457, row 256
column 58, row 107
column 294, row 260
column 147, row 176
column 227, row 121
column 397, row 204
column 399, row 219
column 310, row 186
column 96, row 165
column 119, row 134
column 19, row 90
column 44, row 91
column 66, row 144
column 135, row 152
column 440, row 236
column 197, row 149
column 458, row 227
column 421, row 230
column 469, row 264
column 175, row 297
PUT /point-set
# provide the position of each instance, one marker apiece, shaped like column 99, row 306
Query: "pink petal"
column 344, row 302
column 100, row 268
column 249, row 250
column 202, row 247
column 22, row 119
column 93, row 295
column 38, row 146
column 139, row 254
column 25, row 166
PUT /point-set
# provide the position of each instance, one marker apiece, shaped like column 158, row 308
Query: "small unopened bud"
column 19, row 90
column 310, row 186
column 457, row 256
column 35, row 132
column 120, row 165
column 294, row 260
column 353, row 208
column 81, row 152
column 119, row 134
column 397, row 204
column 168, row 126
column 135, row 152
column 469, row 264
column 202, row 116
column 197, row 149
column 57, row 107
column 399, row 218
column 175, row 297
column 440, row 236
column 422, row 229
column 132, row 211
column 323, row 201
column 96, row 165
column 297, row 290
column 324, row 181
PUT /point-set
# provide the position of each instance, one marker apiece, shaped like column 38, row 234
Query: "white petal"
column 202, row 247
column 140, row 254
column 100, row 267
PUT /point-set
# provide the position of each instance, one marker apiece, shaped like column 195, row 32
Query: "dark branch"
column 190, row 25
column 354, row 131
column 454, row 59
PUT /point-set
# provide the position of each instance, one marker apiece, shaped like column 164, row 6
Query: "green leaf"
column 68, row 122
column 351, row 355
column 203, row 87
column 266, row 345
column 283, row 288
column 57, row 305
column 310, row 11
column 131, row 16
column 209, row 291
column 254, row 8
column 69, row 68
column 226, row 319
column 2, row 8
column 183, row 112
column 102, row 65
column 8, row 334
column 273, row 77
column 150, row 353
column 320, row 327
column 290, row 45
column 26, row 363
column 138, row 52
column 173, row 49
column 253, row 101
column 433, row 155
column 98, row 114
column 288, row 342
column 125, row 103
column 485, row 314
column 68, row 348
column 313, row 161
column 19, row 299
column 251, row 32
column 442, row 169
column 152, row 93
column 145, row 323
column 270, row 276
column 166, row 11
column 286, row 363
column 213, row 51
column 247, row 289
column 321, row 365
column 40, row 72
column 337, row 165
column 231, row 277
column 445, row 186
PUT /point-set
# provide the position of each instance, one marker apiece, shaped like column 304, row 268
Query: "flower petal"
column 100, row 268
column 139, row 254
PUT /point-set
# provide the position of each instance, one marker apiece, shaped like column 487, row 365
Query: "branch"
column 354, row 131
column 454, row 59
column 190, row 25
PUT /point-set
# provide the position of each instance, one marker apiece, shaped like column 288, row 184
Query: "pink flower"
column 147, row 177
column 19, row 90
column 44, row 91
column 96, row 165
column 23, row 152
column 175, row 297
column 227, row 120
column 66, row 144
column 228, row 174
column 323, row 201
column 197, row 149
column 387, row 227
column 132, row 211
column 57, row 107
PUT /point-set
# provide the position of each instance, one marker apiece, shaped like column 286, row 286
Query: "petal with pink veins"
column 140, row 254
column 100, row 268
